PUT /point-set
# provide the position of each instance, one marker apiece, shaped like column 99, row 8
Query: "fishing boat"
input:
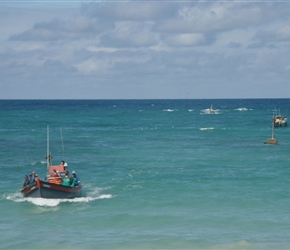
column 52, row 187
column 210, row 110
column 280, row 121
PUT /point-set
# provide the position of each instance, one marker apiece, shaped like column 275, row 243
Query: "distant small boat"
column 280, row 121
column 211, row 110
column 52, row 187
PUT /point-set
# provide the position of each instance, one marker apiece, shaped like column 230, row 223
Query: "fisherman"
column 26, row 181
column 66, row 180
column 63, row 163
column 36, row 176
column 74, row 180
column 77, row 178
column 54, row 173
column 31, row 178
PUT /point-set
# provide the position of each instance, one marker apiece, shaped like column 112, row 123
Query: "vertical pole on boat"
column 62, row 142
column 273, row 126
column 48, row 155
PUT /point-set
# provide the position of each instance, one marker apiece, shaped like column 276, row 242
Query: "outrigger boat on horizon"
column 52, row 187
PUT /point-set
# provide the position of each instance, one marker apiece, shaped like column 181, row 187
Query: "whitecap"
column 168, row 110
column 241, row 109
column 211, row 128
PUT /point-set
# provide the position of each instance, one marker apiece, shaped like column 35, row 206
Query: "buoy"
column 272, row 140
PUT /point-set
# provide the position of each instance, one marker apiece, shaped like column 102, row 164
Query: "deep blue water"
column 157, row 174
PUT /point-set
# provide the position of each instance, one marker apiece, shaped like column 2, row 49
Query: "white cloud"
column 180, row 46
column 130, row 10
column 92, row 66
column 186, row 39
column 275, row 34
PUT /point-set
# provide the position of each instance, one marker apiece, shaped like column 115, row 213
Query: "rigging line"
column 48, row 157
column 62, row 142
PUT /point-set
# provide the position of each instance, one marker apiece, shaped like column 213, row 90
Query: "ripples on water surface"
column 156, row 174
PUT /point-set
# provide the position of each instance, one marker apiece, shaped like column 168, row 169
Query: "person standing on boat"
column 63, row 163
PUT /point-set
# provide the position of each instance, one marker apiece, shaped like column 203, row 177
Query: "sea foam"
column 43, row 202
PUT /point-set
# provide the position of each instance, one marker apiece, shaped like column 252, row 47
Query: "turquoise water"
column 156, row 174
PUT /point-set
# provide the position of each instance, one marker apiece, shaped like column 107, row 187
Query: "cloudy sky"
column 144, row 49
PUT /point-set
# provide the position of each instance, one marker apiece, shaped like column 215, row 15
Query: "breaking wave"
column 211, row 128
column 169, row 110
column 242, row 109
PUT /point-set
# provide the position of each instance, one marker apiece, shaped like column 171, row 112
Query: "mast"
column 273, row 121
column 272, row 140
column 48, row 156
column 62, row 142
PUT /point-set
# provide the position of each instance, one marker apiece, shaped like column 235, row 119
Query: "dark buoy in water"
column 272, row 140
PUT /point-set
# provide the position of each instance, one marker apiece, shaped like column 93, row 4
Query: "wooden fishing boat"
column 44, row 189
column 52, row 187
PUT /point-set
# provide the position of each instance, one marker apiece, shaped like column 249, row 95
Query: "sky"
column 61, row 49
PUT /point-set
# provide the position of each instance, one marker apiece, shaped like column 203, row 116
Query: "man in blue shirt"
column 31, row 178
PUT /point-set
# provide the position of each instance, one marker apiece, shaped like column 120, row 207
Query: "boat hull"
column 43, row 189
column 282, row 124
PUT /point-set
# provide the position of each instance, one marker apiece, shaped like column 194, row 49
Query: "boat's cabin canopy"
column 60, row 169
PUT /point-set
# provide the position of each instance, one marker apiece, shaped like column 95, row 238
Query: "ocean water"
column 157, row 174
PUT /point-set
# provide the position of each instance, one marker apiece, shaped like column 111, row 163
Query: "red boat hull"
column 43, row 189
